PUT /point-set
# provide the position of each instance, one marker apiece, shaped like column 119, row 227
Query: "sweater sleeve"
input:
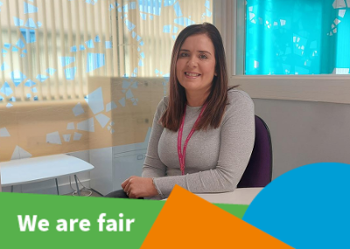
column 153, row 166
column 236, row 145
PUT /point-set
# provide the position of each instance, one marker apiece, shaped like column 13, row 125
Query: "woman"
column 203, row 133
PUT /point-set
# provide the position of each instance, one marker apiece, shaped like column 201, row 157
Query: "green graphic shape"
column 53, row 208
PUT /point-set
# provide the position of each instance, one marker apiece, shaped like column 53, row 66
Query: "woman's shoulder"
column 162, row 106
column 234, row 95
column 238, row 102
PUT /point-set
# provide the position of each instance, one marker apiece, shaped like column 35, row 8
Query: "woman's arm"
column 153, row 167
column 236, row 144
column 135, row 186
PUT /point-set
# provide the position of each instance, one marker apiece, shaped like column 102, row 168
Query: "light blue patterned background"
column 297, row 37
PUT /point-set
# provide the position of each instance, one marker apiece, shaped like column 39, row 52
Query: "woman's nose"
column 192, row 61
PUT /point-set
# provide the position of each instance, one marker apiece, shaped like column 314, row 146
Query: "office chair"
column 259, row 170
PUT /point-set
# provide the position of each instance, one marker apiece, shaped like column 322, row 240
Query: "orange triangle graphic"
column 188, row 221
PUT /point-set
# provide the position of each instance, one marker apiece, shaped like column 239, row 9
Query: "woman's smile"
column 192, row 75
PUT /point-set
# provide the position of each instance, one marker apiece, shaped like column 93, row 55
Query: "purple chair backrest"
column 259, row 170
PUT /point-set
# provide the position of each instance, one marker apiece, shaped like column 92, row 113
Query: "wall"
column 306, row 132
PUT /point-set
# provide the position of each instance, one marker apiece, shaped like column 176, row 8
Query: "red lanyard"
column 179, row 138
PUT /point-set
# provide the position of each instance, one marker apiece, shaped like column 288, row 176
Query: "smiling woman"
column 203, row 132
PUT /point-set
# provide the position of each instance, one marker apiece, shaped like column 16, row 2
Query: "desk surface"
column 40, row 168
column 238, row 196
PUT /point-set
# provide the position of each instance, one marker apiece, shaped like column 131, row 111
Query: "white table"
column 21, row 171
column 238, row 196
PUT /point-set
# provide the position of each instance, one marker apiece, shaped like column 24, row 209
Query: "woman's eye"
column 203, row 56
column 183, row 54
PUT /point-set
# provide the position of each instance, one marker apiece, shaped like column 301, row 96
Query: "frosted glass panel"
column 85, row 74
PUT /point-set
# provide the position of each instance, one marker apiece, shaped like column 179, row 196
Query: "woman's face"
column 195, row 67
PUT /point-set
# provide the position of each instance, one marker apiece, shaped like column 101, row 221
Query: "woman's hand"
column 136, row 187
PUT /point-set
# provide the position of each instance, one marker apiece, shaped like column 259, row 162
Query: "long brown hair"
column 217, row 98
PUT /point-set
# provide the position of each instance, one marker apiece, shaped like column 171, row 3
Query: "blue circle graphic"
column 308, row 207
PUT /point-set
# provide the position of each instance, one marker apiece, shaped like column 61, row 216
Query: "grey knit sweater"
column 215, row 159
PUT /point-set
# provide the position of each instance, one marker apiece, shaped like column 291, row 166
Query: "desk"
column 238, row 196
column 35, row 169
